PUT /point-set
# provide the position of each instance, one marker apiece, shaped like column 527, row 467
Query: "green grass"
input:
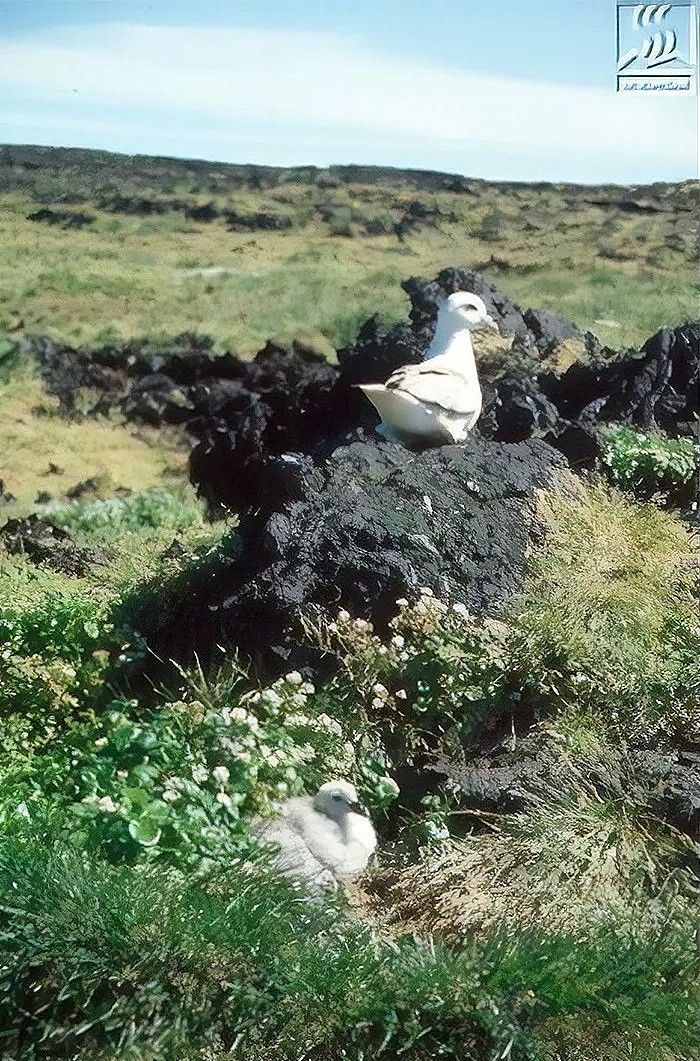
column 114, row 962
column 608, row 617
column 34, row 435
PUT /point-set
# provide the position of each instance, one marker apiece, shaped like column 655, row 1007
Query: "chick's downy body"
column 320, row 839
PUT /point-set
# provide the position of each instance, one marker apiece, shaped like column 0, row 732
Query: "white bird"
column 438, row 401
column 321, row 838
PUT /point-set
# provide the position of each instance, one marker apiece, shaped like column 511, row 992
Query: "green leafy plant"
column 179, row 784
column 53, row 654
column 107, row 520
column 648, row 464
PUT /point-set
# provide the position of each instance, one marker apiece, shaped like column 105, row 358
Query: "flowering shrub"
column 647, row 464
column 181, row 784
column 52, row 654
column 432, row 681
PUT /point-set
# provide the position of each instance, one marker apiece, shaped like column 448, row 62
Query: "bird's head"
column 336, row 799
column 469, row 310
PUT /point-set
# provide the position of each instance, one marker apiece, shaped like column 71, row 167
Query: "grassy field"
column 620, row 273
column 140, row 919
column 34, row 437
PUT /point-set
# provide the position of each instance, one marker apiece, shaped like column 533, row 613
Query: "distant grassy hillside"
column 122, row 246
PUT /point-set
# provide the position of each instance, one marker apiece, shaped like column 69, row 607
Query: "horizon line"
column 351, row 165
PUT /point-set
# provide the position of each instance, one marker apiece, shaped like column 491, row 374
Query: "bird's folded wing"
column 436, row 386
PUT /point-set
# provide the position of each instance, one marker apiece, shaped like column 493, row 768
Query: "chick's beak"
column 357, row 808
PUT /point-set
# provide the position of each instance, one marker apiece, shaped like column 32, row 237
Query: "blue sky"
column 503, row 89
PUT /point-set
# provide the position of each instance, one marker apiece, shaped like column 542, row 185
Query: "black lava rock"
column 425, row 296
column 204, row 212
column 42, row 543
column 549, row 329
column 289, row 399
column 261, row 221
column 371, row 524
column 498, row 774
column 62, row 218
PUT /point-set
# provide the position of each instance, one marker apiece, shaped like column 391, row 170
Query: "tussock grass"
column 586, row 852
column 106, row 962
column 608, row 620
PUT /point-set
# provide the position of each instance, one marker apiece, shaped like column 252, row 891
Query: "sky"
column 499, row 89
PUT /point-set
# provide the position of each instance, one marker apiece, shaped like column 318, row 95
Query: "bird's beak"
column 357, row 808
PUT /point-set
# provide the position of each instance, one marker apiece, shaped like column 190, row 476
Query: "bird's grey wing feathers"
column 435, row 386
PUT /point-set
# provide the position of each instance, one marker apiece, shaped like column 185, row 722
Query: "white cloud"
column 295, row 79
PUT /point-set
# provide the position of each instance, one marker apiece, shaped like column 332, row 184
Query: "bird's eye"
column 336, row 796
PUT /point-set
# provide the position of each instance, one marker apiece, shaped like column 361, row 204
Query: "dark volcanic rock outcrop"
column 506, row 777
column 550, row 382
column 42, row 543
column 368, row 525
column 62, row 218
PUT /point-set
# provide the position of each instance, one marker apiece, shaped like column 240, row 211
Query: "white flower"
column 401, row 694
column 224, row 799
column 294, row 678
column 425, row 591
column 169, row 796
column 382, row 650
column 108, row 804
column 398, row 641
column 239, row 714
column 421, row 608
column 308, row 689
column 380, row 690
column 221, row 775
column 23, row 810
column 460, row 609
column 271, row 697
column 330, row 724
column 361, row 624
column 343, row 616
column 377, row 703
column 199, row 774
column 402, row 602
column 100, row 742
